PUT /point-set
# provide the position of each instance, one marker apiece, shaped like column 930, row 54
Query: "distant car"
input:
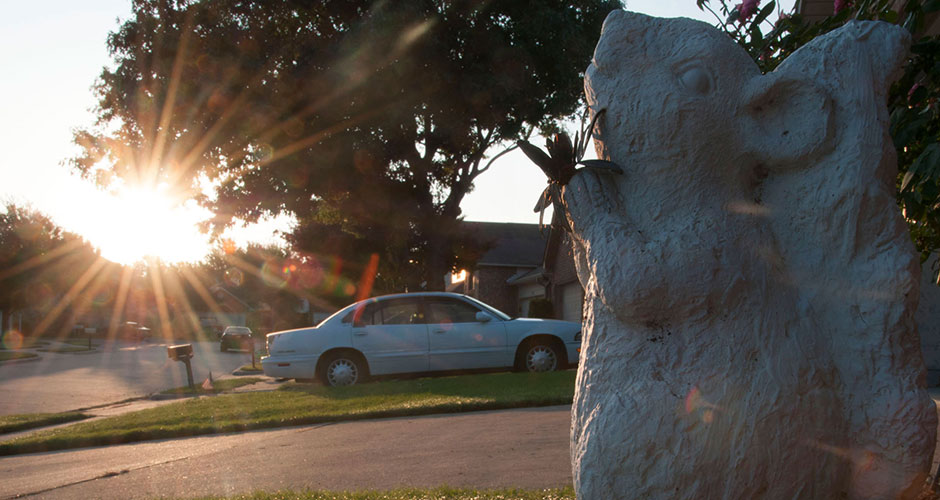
column 235, row 337
column 419, row 332
column 131, row 330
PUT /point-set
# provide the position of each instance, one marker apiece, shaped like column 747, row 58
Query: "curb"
column 21, row 360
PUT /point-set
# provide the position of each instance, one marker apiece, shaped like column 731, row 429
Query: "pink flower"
column 838, row 5
column 746, row 9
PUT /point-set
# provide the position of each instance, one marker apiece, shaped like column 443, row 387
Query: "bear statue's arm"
column 642, row 278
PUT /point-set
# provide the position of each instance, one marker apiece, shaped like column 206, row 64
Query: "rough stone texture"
column 750, row 286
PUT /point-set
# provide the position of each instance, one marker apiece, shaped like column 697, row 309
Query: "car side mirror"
column 482, row 317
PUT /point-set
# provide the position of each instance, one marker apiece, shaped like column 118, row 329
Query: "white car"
column 419, row 332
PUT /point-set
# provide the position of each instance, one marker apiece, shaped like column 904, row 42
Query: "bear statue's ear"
column 785, row 121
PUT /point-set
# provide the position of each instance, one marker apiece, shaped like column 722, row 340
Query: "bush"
column 541, row 308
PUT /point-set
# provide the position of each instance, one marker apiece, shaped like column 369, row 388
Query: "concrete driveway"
column 114, row 372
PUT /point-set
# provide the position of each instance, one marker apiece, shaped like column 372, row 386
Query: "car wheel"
column 341, row 369
column 541, row 356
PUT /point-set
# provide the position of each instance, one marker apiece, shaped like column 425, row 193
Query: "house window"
column 458, row 277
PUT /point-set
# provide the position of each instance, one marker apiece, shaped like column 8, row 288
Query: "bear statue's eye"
column 695, row 79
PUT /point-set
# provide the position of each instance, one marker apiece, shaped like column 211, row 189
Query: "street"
column 525, row 448
column 114, row 372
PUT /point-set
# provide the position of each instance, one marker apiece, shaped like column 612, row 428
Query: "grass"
column 16, row 423
column 22, row 343
column 443, row 493
column 66, row 349
column 299, row 404
column 218, row 386
column 249, row 368
column 79, row 342
column 11, row 355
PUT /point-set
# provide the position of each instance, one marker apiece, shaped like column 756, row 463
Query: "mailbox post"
column 183, row 353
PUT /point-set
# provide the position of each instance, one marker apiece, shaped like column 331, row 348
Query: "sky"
column 51, row 54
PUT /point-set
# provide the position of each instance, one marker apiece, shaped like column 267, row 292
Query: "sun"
column 138, row 223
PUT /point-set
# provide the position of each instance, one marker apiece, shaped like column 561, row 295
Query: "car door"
column 393, row 336
column 459, row 340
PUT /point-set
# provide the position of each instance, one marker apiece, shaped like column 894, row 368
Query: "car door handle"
column 360, row 332
column 440, row 330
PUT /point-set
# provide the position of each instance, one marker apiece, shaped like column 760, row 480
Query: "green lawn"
column 80, row 342
column 11, row 355
column 21, row 343
column 66, row 349
column 296, row 404
column 413, row 494
column 16, row 423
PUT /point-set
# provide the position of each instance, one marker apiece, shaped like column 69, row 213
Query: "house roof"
column 527, row 277
column 513, row 244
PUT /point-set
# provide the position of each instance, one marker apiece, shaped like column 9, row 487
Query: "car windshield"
column 490, row 309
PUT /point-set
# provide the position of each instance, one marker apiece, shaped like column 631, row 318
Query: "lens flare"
column 696, row 404
column 271, row 275
column 234, row 277
column 12, row 339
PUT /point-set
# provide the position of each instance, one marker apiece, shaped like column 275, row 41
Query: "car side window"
column 399, row 312
column 451, row 311
column 365, row 315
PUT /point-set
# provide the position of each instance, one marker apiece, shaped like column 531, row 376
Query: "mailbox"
column 180, row 352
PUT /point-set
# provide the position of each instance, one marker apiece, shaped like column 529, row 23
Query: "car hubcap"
column 342, row 372
column 540, row 359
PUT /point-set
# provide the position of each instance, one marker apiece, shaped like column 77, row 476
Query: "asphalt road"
column 115, row 372
column 525, row 448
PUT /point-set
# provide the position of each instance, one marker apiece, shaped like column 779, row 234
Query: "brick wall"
column 490, row 287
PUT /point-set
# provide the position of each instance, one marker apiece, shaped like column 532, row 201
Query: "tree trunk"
column 438, row 264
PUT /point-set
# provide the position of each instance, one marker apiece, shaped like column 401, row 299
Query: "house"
column 563, row 287
column 509, row 274
column 524, row 265
column 228, row 310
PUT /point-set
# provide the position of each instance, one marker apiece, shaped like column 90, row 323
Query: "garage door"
column 572, row 299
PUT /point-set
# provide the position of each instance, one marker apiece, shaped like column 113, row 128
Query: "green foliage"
column 367, row 121
column 40, row 265
column 308, row 404
column 914, row 100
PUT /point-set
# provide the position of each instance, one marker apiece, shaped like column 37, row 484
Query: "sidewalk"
column 150, row 401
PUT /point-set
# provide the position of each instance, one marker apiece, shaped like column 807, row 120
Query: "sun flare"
column 139, row 223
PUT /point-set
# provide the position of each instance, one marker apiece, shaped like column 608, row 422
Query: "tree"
column 368, row 121
column 914, row 100
column 47, row 272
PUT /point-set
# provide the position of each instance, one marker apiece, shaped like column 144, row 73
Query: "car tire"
column 540, row 355
column 343, row 368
